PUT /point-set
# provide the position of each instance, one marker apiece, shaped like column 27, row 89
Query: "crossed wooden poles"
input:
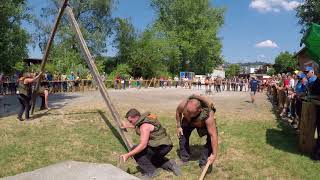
column 91, row 65
column 93, row 69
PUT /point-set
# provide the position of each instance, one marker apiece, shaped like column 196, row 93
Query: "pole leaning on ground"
column 96, row 75
column 204, row 172
column 46, row 54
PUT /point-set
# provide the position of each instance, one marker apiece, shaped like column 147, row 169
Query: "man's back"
column 253, row 85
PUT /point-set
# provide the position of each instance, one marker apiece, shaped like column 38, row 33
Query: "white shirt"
column 292, row 83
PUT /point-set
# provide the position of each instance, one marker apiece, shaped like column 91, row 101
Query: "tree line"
column 183, row 37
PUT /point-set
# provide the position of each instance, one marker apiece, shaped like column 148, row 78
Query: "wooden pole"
column 96, row 76
column 150, row 82
column 46, row 54
column 204, row 172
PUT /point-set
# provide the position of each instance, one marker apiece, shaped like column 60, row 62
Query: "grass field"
column 253, row 144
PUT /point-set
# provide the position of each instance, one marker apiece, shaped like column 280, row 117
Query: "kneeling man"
column 154, row 144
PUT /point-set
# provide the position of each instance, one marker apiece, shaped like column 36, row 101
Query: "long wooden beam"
column 96, row 75
column 46, row 54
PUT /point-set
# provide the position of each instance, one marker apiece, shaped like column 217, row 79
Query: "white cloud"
column 274, row 5
column 261, row 56
column 266, row 44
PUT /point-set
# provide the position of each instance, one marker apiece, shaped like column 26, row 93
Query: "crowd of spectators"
column 288, row 91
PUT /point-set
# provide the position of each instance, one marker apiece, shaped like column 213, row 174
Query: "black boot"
column 172, row 166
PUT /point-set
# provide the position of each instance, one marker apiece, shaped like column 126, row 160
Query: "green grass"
column 248, row 149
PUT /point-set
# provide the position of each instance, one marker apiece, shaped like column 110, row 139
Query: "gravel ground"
column 156, row 100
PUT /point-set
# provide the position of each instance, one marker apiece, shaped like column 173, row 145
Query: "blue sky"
column 253, row 30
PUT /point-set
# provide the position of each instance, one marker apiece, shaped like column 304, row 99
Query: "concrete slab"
column 73, row 170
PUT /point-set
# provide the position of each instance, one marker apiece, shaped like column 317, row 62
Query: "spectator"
column 64, row 82
column 140, row 82
column 161, row 82
column 314, row 91
column 218, row 84
column 123, row 83
column 291, row 97
column 206, row 84
column 223, row 84
column 241, row 83
column 130, row 82
column 77, row 82
column 300, row 92
column 103, row 77
column 71, row 79
column 253, row 87
column 176, row 81
column 1, row 84
column 313, row 82
column 198, row 81
column 116, row 81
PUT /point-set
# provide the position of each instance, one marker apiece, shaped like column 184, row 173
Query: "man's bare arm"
column 126, row 125
column 179, row 112
column 31, row 80
column 145, row 130
column 212, row 130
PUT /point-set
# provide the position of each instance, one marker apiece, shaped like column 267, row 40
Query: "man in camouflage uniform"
column 154, row 144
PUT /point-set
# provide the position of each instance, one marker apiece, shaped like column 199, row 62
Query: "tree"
column 95, row 21
column 13, row 39
column 271, row 71
column 191, row 28
column 285, row 62
column 233, row 70
column 124, row 39
column 122, row 70
column 148, row 56
column 308, row 12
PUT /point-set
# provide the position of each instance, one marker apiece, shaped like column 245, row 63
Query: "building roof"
column 28, row 61
column 300, row 52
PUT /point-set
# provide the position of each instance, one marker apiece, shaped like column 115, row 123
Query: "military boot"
column 172, row 166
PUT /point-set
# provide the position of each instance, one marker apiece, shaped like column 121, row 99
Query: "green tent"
column 312, row 41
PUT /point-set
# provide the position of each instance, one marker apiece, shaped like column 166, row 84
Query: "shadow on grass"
column 9, row 105
column 284, row 136
column 113, row 129
column 195, row 152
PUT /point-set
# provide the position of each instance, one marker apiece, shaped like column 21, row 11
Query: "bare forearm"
column 178, row 119
column 137, row 150
column 214, row 144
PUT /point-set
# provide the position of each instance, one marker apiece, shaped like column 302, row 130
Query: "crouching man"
column 197, row 112
column 154, row 144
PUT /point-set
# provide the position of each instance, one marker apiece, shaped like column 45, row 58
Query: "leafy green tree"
column 271, row 71
column 285, row 62
column 94, row 18
column 13, row 39
column 122, row 70
column 308, row 12
column 233, row 70
column 191, row 28
column 124, row 39
column 148, row 57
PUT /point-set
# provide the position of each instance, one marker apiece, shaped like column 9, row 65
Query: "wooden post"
column 150, row 82
column 46, row 54
column 307, row 127
column 96, row 75
column 82, row 85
